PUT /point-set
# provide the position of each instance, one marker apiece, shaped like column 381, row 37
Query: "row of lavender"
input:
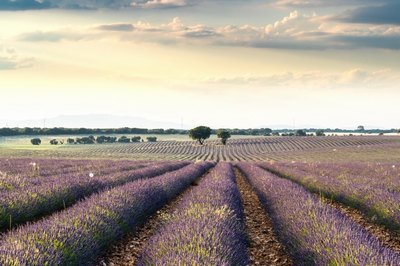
column 313, row 232
column 373, row 189
column 45, row 167
column 79, row 234
column 13, row 183
column 35, row 201
column 207, row 227
column 250, row 149
column 36, row 176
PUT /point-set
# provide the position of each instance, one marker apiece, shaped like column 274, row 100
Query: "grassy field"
column 339, row 148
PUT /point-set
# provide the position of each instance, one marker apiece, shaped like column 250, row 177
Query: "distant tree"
column 301, row 133
column 101, row 139
column 124, row 139
column 151, row 139
column 70, row 141
column 360, row 128
column 36, row 141
column 275, row 133
column 85, row 140
column 267, row 131
column 156, row 131
column 200, row 133
column 398, row 131
column 54, row 142
column 224, row 135
column 320, row 132
column 136, row 139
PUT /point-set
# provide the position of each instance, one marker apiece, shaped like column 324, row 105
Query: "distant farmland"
column 245, row 149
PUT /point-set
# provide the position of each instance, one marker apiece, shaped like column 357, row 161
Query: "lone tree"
column 200, row 133
column 36, row 141
column 301, row 133
column 320, row 132
column 224, row 135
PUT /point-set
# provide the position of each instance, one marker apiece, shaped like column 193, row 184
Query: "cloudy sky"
column 223, row 63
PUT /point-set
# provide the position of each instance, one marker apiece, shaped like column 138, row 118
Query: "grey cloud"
column 295, row 32
column 23, row 4
column 90, row 4
column 53, row 36
column 388, row 13
column 116, row 27
column 322, row 3
column 380, row 42
column 10, row 59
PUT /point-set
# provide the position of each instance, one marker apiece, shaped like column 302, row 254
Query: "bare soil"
column 387, row 238
column 264, row 247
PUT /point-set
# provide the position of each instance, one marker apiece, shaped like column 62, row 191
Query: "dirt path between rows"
column 387, row 238
column 127, row 251
column 264, row 247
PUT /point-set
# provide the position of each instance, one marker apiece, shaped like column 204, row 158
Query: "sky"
column 221, row 63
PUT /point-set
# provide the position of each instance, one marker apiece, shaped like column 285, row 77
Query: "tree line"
column 35, row 131
column 93, row 140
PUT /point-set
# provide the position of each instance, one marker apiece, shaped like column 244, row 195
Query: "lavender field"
column 191, row 204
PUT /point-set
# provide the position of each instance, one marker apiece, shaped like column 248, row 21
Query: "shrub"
column 136, row 139
column 124, row 139
column 151, row 139
column 36, row 141
column 301, row 133
column 54, row 142
column 85, row 140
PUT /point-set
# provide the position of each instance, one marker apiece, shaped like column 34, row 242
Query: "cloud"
column 10, row 59
column 159, row 3
column 90, row 4
column 319, row 3
column 23, row 4
column 53, row 36
column 354, row 78
column 296, row 31
column 383, row 13
column 116, row 27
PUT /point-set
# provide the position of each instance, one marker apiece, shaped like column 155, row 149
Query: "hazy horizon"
column 242, row 64
column 115, row 121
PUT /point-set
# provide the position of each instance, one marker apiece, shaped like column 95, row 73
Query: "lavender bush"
column 207, row 227
column 315, row 233
column 79, row 234
column 35, row 201
column 38, row 172
column 371, row 189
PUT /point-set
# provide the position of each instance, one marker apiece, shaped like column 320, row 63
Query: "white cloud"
column 354, row 78
column 295, row 31
column 10, row 59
